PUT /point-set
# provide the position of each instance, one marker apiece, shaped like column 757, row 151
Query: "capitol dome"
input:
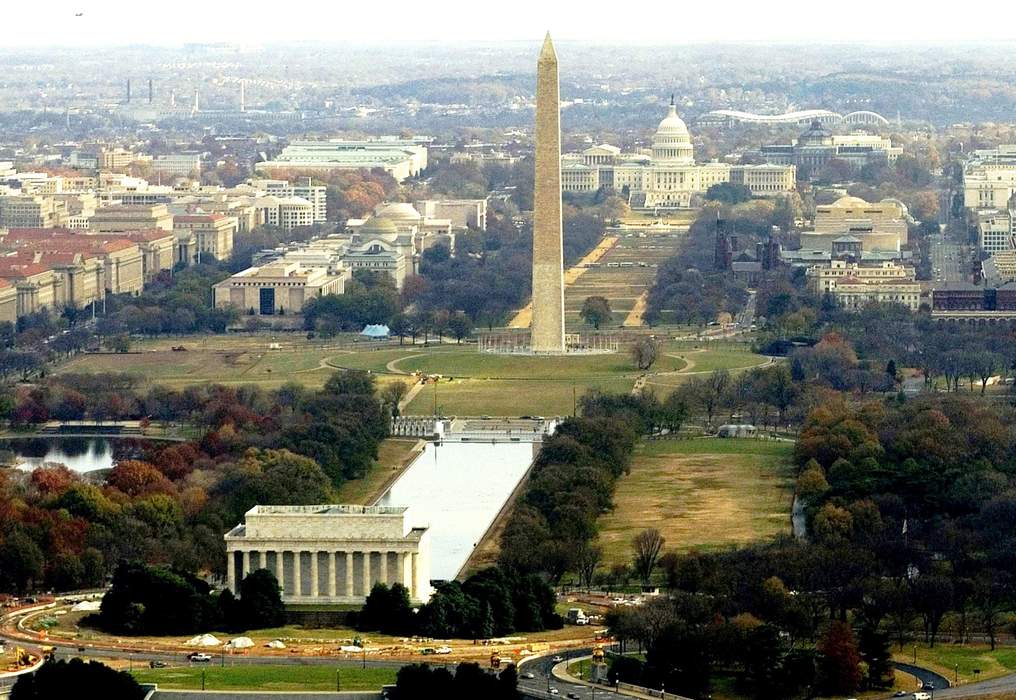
column 672, row 143
column 399, row 211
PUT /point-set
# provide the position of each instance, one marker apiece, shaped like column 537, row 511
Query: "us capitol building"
column 667, row 176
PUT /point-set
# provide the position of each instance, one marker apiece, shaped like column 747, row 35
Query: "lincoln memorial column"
column 333, row 572
column 246, row 564
column 349, row 574
column 384, row 568
column 231, row 570
column 366, row 574
column 280, row 569
column 314, row 586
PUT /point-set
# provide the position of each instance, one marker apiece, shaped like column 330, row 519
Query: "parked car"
column 157, row 664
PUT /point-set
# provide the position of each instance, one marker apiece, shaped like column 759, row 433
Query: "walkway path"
column 524, row 317
column 634, row 319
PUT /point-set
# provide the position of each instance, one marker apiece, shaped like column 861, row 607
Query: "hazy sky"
column 116, row 22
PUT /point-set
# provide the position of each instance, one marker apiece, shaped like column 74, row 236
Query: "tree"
column 460, row 326
column 644, row 352
column 728, row 193
column 873, row 648
column 933, row 599
column 839, row 661
column 118, row 343
column 647, row 546
column 392, row 394
column 387, row 610
column 135, row 478
column 595, row 311
column 985, row 365
column 812, row 481
column 261, row 601
column 77, row 679
column 21, row 563
column 587, row 559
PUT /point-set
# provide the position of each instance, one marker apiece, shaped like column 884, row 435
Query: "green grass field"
column 281, row 677
column 392, row 456
column 470, row 363
column 498, row 397
column 707, row 493
column 482, row 384
column 950, row 659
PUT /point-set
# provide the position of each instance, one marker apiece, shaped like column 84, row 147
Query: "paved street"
column 950, row 261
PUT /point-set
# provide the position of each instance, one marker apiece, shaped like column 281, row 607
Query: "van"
column 921, row 695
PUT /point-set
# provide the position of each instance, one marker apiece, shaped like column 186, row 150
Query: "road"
column 950, row 261
column 543, row 680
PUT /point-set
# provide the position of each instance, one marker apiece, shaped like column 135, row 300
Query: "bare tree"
column 587, row 559
column 392, row 394
column 644, row 352
column 647, row 546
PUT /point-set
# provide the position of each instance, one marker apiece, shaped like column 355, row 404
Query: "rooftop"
column 328, row 509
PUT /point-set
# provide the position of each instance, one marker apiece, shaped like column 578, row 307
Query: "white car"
column 443, row 650
column 555, row 691
column 921, row 695
column 200, row 657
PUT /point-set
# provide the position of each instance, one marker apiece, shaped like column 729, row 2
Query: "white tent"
column 203, row 640
column 87, row 606
column 275, row 644
column 241, row 643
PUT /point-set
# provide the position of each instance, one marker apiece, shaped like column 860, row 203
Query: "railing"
column 662, row 694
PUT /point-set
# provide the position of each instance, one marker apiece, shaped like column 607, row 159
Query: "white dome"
column 672, row 142
column 399, row 211
column 672, row 124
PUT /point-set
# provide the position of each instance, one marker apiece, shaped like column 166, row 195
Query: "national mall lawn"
column 471, row 383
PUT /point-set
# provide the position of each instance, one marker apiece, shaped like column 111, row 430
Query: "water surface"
column 458, row 488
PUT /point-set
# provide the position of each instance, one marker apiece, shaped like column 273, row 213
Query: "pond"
column 458, row 488
column 78, row 454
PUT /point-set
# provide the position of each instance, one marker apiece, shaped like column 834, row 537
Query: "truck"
column 577, row 617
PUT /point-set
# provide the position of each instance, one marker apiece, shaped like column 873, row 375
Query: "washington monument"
column 548, row 263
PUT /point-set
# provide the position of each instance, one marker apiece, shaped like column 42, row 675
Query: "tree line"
column 170, row 503
column 491, row 603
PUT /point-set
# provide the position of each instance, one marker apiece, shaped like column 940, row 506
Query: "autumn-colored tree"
column 50, row 480
column 812, row 481
column 840, row 662
column 833, row 524
column 134, row 478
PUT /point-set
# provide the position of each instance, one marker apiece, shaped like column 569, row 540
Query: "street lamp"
column 338, row 684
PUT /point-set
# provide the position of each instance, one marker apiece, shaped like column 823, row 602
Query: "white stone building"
column 989, row 178
column 400, row 158
column 667, row 176
column 331, row 553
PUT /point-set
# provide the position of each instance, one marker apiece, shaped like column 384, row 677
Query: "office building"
column 400, row 158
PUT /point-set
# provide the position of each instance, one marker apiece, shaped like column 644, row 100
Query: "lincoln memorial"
column 331, row 553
